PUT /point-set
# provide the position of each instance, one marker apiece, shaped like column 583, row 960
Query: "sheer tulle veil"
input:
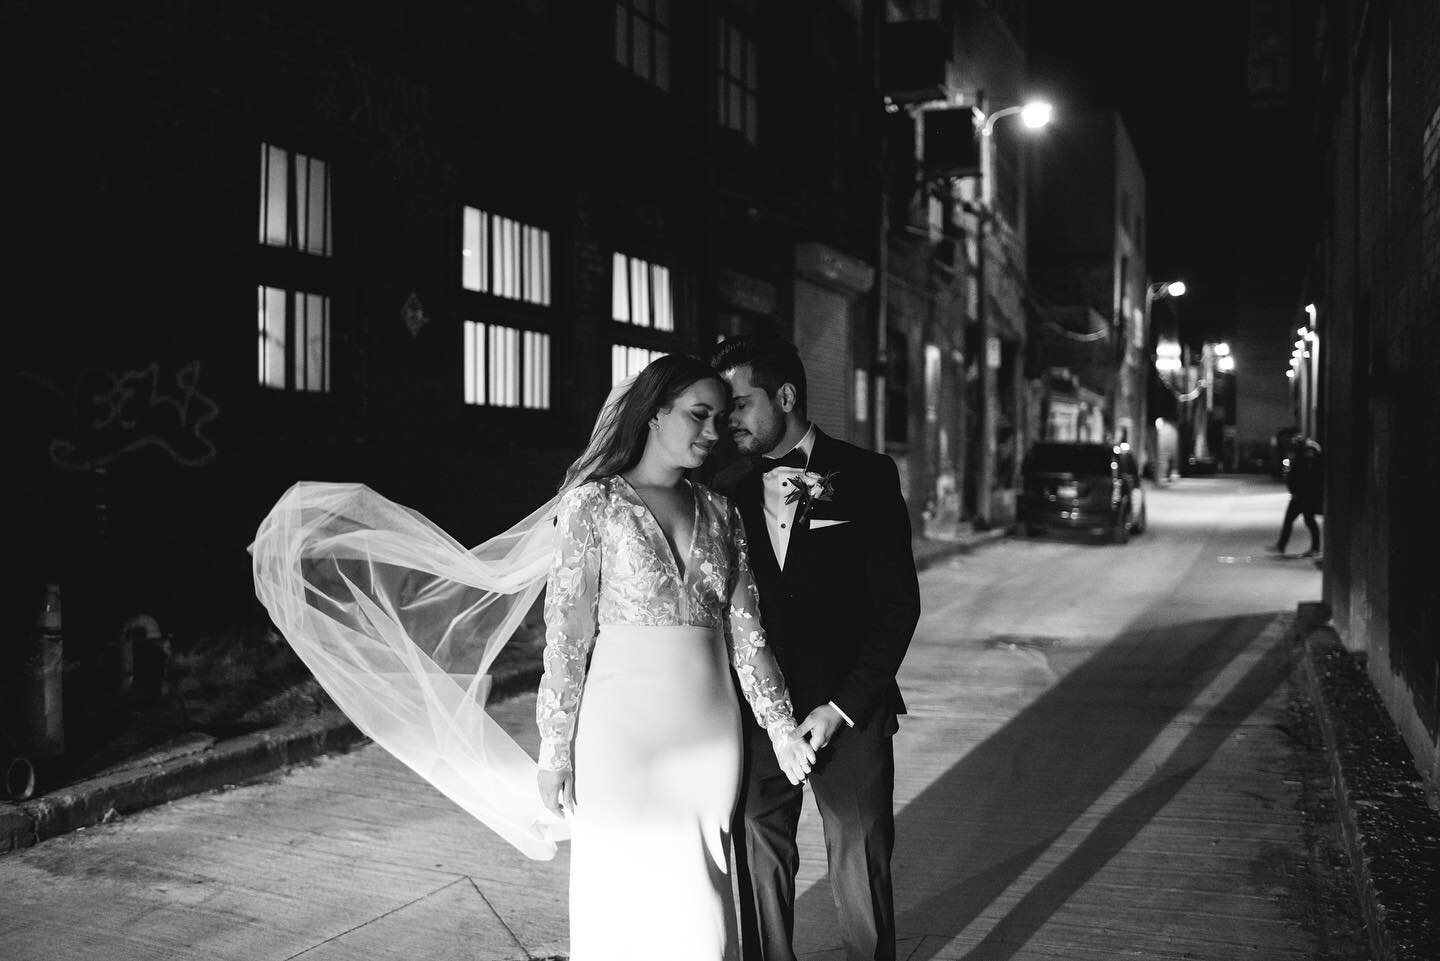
column 400, row 624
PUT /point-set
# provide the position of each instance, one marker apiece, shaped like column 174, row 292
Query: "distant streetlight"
column 1034, row 115
column 1224, row 360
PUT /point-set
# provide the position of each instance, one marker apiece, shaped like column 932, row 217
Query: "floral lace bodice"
column 613, row 565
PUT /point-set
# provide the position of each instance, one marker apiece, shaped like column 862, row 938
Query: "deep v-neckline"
column 672, row 550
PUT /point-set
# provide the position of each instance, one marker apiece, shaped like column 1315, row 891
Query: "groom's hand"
column 821, row 725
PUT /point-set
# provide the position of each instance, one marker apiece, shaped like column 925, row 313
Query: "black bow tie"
column 796, row 458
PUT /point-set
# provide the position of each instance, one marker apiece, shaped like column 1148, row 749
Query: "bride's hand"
column 796, row 757
column 557, row 791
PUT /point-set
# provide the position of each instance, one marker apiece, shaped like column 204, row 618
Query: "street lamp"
column 1167, row 352
column 1034, row 115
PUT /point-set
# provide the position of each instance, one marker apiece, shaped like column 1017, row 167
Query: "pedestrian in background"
column 1305, row 480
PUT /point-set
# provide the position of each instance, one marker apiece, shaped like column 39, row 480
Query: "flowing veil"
column 400, row 624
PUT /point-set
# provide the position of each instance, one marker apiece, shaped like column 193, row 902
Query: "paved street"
column 1092, row 768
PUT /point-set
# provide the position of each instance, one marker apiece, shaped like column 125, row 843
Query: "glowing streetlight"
column 1036, row 114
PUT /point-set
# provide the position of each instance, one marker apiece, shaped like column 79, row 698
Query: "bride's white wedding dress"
column 652, row 728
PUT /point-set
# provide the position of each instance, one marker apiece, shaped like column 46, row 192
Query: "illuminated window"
column 294, row 201
column 642, row 39
column 294, row 340
column 506, row 367
column 737, row 81
column 640, row 294
column 505, row 258
column 627, row 361
column 296, row 239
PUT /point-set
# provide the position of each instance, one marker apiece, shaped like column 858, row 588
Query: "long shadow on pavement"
column 981, row 824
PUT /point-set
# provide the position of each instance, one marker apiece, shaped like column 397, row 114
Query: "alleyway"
column 1103, row 759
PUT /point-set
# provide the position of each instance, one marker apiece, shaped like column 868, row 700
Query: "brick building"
column 406, row 246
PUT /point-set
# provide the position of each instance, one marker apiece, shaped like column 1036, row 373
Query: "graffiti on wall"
column 119, row 414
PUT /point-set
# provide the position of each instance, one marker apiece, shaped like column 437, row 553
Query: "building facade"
column 1366, row 380
column 412, row 248
column 1089, row 275
column 954, row 403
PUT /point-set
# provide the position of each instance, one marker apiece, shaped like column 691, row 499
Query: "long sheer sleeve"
column 572, row 596
column 760, row 679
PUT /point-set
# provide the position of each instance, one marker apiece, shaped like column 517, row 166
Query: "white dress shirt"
column 778, row 484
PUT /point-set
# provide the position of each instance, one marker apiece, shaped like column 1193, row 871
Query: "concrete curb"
column 145, row 783
column 943, row 550
column 203, row 764
column 1391, row 834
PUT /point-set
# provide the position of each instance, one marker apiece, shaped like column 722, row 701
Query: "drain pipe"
column 42, row 682
column 19, row 772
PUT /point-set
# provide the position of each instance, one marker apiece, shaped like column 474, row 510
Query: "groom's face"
column 757, row 420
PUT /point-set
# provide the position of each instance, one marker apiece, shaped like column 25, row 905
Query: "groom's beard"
column 761, row 439
column 754, row 444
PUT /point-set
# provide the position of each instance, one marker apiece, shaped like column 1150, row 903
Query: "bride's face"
column 686, row 430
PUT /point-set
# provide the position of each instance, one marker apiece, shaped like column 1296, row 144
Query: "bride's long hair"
column 618, row 440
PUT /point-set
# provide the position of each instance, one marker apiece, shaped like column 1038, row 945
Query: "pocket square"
column 817, row 523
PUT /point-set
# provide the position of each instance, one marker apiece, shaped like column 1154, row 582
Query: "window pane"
column 640, row 292
column 617, row 364
column 470, row 361
column 662, row 12
column 752, row 119
column 545, row 267
column 640, row 56
column 515, row 258
column 471, row 256
column 492, row 366
column 505, row 260
column 537, row 370
column 313, row 192
column 512, row 368
column 619, row 289
column 737, row 49
column 312, row 327
column 622, row 34
column 735, row 117
column 662, row 61
column 752, row 66
column 272, row 336
column 664, row 305
column 274, row 195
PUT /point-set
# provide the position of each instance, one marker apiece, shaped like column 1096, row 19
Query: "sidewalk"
column 199, row 762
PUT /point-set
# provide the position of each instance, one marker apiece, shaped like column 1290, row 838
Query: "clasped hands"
column 796, row 754
column 794, row 751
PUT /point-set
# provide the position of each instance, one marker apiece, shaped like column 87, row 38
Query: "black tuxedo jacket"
column 840, row 615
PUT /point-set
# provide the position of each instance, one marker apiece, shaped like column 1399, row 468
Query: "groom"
column 830, row 546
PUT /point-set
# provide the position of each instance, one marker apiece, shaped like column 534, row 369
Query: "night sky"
column 1228, row 208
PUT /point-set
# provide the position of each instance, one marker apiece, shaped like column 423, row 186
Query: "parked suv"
column 1082, row 487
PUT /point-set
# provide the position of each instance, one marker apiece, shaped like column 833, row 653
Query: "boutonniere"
column 811, row 488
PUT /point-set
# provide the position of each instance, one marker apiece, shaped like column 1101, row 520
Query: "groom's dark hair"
column 772, row 362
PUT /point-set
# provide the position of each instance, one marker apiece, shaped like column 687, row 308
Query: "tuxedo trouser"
column 854, row 787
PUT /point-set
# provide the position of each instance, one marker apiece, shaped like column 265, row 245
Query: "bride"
column 652, row 571
column 649, row 581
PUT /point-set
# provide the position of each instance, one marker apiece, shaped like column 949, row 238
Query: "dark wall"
column 147, row 452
